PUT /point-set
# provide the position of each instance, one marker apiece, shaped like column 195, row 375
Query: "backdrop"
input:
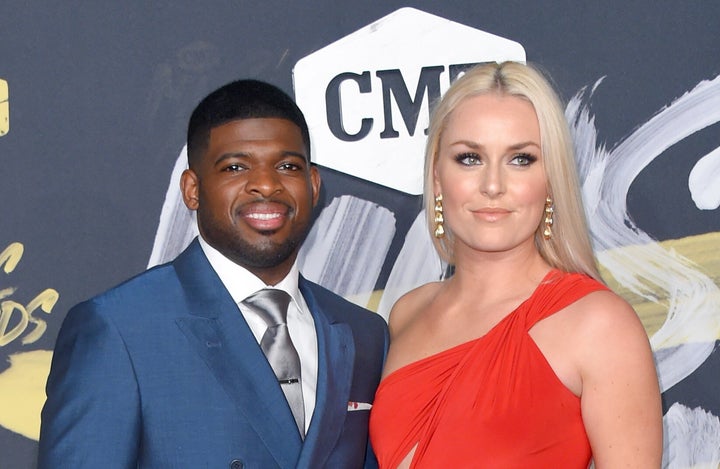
column 94, row 102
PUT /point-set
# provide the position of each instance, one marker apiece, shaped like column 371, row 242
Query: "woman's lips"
column 491, row 214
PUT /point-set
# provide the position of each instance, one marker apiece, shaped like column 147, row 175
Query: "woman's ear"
column 437, row 189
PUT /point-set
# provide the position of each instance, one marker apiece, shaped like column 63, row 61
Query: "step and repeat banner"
column 94, row 103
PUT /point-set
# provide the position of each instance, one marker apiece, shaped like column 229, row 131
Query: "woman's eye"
column 523, row 159
column 468, row 159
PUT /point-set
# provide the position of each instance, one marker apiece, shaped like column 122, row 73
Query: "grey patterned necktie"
column 271, row 305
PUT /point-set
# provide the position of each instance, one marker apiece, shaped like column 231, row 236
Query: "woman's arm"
column 620, row 396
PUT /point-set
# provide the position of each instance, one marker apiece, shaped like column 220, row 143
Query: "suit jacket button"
column 236, row 464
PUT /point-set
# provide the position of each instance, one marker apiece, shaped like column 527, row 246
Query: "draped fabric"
column 493, row 402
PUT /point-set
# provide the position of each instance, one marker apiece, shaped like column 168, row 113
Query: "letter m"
column 393, row 84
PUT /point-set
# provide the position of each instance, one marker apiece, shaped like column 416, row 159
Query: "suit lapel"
column 336, row 356
column 219, row 334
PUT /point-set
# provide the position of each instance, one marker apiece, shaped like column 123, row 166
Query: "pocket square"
column 352, row 405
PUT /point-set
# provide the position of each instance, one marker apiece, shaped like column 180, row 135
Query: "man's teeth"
column 264, row 216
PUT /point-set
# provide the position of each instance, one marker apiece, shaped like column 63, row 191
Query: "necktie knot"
column 270, row 304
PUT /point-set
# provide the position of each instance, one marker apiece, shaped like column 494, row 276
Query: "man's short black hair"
column 241, row 99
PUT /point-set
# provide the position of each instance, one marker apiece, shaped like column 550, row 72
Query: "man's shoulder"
column 325, row 296
column 156, row 282
column 341, row 308
column 148, row 286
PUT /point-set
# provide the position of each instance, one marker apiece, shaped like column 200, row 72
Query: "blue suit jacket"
column 164, row 372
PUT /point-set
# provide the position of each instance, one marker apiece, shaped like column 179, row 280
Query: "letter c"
column 333, row 109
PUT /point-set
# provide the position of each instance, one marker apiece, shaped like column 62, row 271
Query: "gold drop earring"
column 549, row 210
column 439, row 220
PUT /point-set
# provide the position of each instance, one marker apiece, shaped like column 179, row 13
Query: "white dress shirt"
column 241, row 283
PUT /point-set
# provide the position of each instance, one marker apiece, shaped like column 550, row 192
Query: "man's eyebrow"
column 242, row 154
column 295, row 153
column 227, row 156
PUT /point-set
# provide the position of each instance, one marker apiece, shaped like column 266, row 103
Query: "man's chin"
column 267, row 232
column 265, row 255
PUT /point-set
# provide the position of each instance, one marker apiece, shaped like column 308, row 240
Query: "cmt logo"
column 367, row 96
column 4, row 108
column 394, row 90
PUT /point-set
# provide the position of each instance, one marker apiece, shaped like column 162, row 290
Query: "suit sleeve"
column 371, row 461
column 91, row 417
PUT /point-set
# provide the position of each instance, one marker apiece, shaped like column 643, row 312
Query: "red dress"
column 493, row 402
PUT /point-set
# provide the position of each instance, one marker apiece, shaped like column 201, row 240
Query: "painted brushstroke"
column 347, row 246
column 693, row 319
column 704, row 181
column 22, row 392
column 177, row 226
column 418, row 263
column 691, row 438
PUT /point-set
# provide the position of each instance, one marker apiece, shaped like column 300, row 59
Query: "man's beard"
column 263, row 255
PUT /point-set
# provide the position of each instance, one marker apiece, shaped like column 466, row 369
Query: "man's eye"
column 289, row 167
column 468, row 159
column 233, row 168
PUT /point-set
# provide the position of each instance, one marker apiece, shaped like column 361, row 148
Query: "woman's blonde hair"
column 569, row 249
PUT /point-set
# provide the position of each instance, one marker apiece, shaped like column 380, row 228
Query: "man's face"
column 254, row 191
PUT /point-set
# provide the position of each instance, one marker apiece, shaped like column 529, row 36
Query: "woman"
column 522, row 358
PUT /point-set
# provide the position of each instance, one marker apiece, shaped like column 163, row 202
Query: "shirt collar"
column 241, row 283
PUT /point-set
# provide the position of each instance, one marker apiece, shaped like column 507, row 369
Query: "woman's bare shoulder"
column 603, row 311
column 408, row 306
column 606, row 331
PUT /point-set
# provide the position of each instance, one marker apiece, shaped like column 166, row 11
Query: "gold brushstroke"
column 22, row 392
column 4, row 108
column 702, row 250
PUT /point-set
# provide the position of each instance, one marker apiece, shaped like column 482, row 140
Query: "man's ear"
column 190, row 187
column 315, row 181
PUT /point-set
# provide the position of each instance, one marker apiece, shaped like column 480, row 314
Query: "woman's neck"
column 498, row 274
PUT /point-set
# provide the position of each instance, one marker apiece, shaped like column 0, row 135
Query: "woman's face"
column 490, row 172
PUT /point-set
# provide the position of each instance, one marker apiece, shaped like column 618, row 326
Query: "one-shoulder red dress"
column 493, row 402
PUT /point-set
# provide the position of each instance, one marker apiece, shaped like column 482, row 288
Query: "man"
column 180, row 366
